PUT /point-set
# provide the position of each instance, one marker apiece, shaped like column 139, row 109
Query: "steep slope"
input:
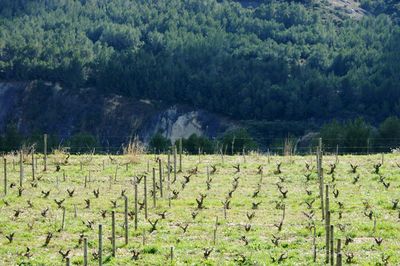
column 332, row 8
column 46, row 107
column 280, row 60
column 350, row 7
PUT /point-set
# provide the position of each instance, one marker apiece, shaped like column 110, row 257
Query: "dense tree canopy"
column 390, row 7
column 359, row 136
column 279, row 60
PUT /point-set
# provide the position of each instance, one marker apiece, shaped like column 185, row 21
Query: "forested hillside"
column 280, row 60
column 390, row 7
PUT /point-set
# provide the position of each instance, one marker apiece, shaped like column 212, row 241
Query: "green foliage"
column 37, row 140
column 390, row 7
column 11, row 140
column 389, row 133
column 332, row 135
column 236, row 140
column 356, row 135
column 150, row 250
column 159, row 143
column 356, row 200
column 195, row 143
column 82, row 143
column 351, row 136
column 279, row 60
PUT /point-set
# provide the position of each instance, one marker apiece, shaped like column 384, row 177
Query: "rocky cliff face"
column 45, row 107
column 177, row 121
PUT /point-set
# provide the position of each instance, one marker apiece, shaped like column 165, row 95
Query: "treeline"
column 12, row 141
column 357, row 136
column 281, row 60
column 351, row 136
column 232, row 142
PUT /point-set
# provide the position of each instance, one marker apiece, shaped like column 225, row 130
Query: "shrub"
column 133, row 150
column 82, row 143
column 352, row 135
column 389, row 133
column 236, row 140
column 194, row 143
column 159, row 143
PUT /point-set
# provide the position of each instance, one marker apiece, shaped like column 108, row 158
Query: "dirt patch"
column 350, row 7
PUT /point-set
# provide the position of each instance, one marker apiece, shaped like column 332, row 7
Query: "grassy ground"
column 367, row 195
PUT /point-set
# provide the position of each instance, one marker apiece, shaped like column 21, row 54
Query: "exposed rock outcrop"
column 46, row 107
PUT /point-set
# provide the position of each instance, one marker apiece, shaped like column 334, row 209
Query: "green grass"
column 230, row 249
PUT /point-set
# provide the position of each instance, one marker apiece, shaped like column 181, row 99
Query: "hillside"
column 37, row 107
column 264, row 60
column 332, row 9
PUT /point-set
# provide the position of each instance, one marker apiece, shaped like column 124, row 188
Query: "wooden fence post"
column 126, row 220
column 327, row 222
column 136, row 204
column 180, row 155
column 113, row 233
column 33, row 164
column 144, row 237
column 100, row 244
column 161, row 181
column 21, row 167
column 321, row 193
column 215, row 230
column 337, row 155
column 320, row 177
column 233, row 145
column 45, row 152
column 154, row 188
column 174, row 147
column 5, row 176
column 85, row 251
column 199, row 155
column 327, row 239
column 225, row 211
column 331, row 246
column 169, row 178
column 63, row 219
column 145, row 197
column 314, row 245
column 116, row 172
column 339, row 253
